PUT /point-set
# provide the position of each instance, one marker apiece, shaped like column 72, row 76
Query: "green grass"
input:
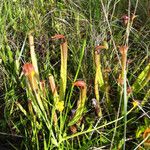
column 43, row 117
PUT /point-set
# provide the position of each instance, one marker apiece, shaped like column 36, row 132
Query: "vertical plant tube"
column 34, row 90
column 53, row 89
column 99, row 81
column 32, row 53
column 81, row 102
column 29, row 72
column 123, row 50
column 55, row 98
column 63, row 69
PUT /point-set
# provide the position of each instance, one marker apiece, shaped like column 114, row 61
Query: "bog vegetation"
column 75, row 74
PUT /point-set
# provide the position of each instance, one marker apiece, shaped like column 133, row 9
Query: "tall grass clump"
column 74, row 74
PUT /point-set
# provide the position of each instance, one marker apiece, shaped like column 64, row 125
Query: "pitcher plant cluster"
column 47, row 104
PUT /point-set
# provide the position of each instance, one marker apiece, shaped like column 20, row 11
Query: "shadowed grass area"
column 74, row 74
